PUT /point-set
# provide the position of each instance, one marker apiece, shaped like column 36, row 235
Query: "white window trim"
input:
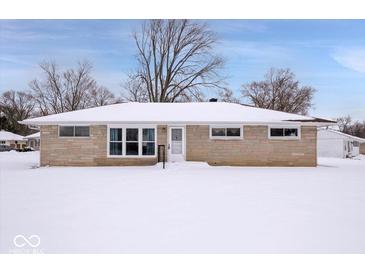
column 73, row 125
column 140, row 141
column 284, row 137
column 226, row 137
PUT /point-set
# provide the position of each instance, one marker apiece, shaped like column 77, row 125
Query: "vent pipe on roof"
column 213, row 100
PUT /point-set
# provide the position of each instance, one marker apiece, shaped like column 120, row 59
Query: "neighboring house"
column 213, row 132
column 11, row 140
column 333, row 143
column 33, row 140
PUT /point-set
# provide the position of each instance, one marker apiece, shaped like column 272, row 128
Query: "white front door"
column 176, row 146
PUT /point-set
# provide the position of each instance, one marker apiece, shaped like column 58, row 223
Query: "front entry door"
column 176, row 145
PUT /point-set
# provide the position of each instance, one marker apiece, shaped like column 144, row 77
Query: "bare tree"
column 279, row 91
column 15, row 106
column 175, row 61
column 101, row 96
column 78, row 85
column 49, row 93
column 358, row 129
column 226, row 95
column 72, row 89
column 134, row 91
column 344, row 123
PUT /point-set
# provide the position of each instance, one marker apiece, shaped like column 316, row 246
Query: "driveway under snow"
column 186, row 208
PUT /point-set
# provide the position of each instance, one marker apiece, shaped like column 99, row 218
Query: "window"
column 276, row 132
column 126, row 141
column 284, row 132
column 74, row 131
column 234, row 132
column 67, row 131
column 148, row 141
column 226, row 132
column 132, row 141
column 116, row 141
column 218, row 132
column 291, row 132
column 82, row 131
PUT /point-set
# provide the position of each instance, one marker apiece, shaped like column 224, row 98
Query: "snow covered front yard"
column 186, row 208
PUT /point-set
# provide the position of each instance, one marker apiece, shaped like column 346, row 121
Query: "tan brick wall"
column 88, row 151
column 254, row 150
column 362, row 148
column 162, row 139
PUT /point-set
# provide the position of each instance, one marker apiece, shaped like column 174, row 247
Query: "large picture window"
column 74, row 131
column 126, row 141
column 284, row 132
column 232, row 132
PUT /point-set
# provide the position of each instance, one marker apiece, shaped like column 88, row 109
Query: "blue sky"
column 328, row 55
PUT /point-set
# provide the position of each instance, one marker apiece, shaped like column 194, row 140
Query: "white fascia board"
column 155, row 122
column 43, row 123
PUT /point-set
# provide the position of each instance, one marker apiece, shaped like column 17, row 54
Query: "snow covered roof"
column 9, row 136
column 34, row 135
column 355, row 138
column 188, row 113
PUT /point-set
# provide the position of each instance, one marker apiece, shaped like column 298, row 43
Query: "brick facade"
column 254, row 150
column 85, row 151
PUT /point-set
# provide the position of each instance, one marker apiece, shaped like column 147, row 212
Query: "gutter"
column 294, row 122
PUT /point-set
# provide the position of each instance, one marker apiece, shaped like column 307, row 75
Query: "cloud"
column 6, row 60
column 255, row 53
column 25, row 31
column 352, row 58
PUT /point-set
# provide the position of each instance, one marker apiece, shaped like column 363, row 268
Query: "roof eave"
column 295, row 122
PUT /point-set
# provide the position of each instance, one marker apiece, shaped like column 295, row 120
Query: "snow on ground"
column 186, row 208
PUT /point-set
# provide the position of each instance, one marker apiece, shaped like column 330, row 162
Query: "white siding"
column 332, row 144
column 330, row 148
column 356, row 150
